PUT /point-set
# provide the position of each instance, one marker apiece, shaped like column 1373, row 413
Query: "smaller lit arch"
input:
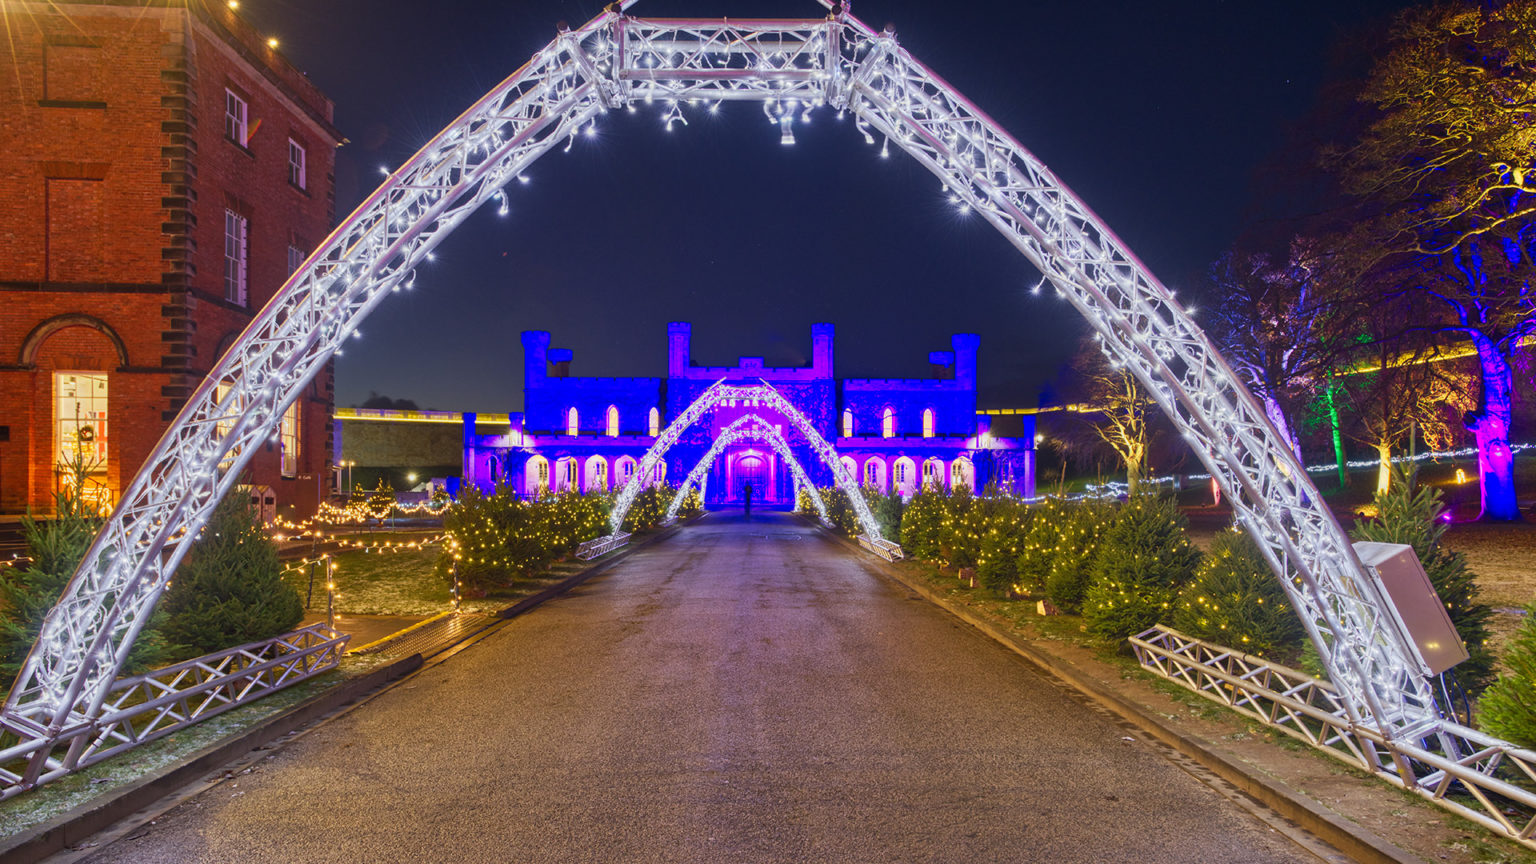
column 962, row 473
column 654, row 422
column 536, row 475
column 572, row 421
column 595, row 478
column 613, row 421
column 888, row 423
column 847, row 422
column 928, row 422
column 933, row 473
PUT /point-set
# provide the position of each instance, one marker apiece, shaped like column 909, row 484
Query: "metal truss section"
column 768, row 397
column 601, row 545
column 1481, row 781
column 883, row 548
column 146, row 707
column 747, row 428
column 791, row 67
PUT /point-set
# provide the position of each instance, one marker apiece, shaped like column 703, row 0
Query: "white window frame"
column 930, row 422
column 91, row 391
column 295, row 259
column 572, row 421
column 888, row 423
column 655, row 422
column 298, row 168
column 613, row 421
column 236, row 117
column 237, row 230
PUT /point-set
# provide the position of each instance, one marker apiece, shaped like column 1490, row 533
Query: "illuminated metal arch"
column 768, row 397
column 749, row 427
column 790, row 67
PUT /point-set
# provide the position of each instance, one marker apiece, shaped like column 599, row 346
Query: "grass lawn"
column 379, row 583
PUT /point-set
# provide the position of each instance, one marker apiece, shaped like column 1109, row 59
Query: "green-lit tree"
column 1508, row 708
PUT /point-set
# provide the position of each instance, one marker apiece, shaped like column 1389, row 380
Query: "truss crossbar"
column 791, row 67
column 883, row 548
column 1478, row 777
column 150, row 706
column 601, row 545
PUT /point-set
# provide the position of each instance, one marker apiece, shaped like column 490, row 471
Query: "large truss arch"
column 768, row 397
column 747, row 428
column 791, row 68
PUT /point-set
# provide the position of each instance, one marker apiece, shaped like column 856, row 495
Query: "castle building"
column 894, row 434
column 166, row 170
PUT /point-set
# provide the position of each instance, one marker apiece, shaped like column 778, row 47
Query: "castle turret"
column 822, row 336
column 679, row 350
column 535, row 358
column 965, row 345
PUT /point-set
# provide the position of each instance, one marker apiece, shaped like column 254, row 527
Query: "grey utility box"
column 1417, row 608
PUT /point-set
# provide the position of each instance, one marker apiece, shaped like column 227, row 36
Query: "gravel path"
column 745, row 691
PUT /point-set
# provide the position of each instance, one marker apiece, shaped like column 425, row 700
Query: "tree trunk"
column 1490, row 426
column 1276, row 415
column 1339, row 455
column 1383, row 467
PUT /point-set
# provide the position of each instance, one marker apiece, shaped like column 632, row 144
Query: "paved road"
column 745, row 691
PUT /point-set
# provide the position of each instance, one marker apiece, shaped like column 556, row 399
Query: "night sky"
column 1158, row 115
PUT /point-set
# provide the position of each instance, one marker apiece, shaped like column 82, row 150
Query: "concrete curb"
column 75, row 826
column 1338, row 831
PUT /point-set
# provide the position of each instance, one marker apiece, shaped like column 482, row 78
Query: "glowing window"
column 901, row 470
column 927, row 422
column 572, row 421
column 289, row 439
column 80, row 427
column 613, row 421
column 655, row 422
column 933, row 473
column 847, row 424
column 888, row 424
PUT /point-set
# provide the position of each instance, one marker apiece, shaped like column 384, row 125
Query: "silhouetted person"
column 746, row 494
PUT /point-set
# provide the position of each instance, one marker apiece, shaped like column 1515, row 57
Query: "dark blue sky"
column 1156, row 114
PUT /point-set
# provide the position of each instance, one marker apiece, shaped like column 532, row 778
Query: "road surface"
column 743, row 691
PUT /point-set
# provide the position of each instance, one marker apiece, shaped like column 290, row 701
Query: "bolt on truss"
column 792, row 68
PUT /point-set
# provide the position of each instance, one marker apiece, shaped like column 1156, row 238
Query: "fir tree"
column 920, row 524
column 229, row 590
column 1416, row 517
column 1083, row 526
column 1508, row 708
column 1235, row 600
column 1137, row 569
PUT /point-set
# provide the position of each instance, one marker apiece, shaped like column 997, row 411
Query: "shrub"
column 229, row 590
column 1414, row 517
column 649, row 508
column 1138, row 566
column 1508, row 708
column 1080, row 528
column 999, row 522
column 1236, row 600
column 491, row 539
column 957, row 543
column 887, row 510
column 693, row 504
column 56, row 548
column 571, row 518
column 920, row 522
column 1038, row 546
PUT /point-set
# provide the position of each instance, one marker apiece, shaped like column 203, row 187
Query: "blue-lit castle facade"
column 895, row 434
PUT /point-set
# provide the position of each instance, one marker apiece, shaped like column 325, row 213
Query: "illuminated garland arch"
column 768, row 397
column 791, row 68
column 750, row 427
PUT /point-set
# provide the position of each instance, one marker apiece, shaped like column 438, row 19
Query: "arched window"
column 927, row 422
column 613, row 421
column 596, row 475
column 888, row 424
column 572, row 421
column 536, row 478
column 847, row 423
column 851, row 468
column 565, row 474
column 904, row 476
column 874, row 473
column 660, row 474
column 623, row 470
column 933, row 473
column 655, row 422
column 962, row 473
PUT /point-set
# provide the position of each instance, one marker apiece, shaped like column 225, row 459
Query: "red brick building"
column 165, row 171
